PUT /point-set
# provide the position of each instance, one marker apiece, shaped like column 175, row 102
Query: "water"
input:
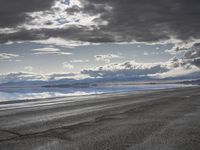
column 10, row 94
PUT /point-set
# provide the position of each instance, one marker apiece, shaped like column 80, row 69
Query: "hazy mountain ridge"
column 85, row 83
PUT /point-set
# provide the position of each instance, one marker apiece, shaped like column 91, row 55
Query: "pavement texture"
column 155, row 120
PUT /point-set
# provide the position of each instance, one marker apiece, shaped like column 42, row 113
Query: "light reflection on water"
column 8, row 94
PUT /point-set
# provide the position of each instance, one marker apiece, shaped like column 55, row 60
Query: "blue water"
column 9, row 94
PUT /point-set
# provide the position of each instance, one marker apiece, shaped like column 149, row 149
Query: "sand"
column 158, row 120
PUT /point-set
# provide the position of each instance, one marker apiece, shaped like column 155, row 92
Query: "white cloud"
column 58, row 17
column 64, row 75
column 7, row 56
column 126, row 70
column 49, row 51
column 8, row 30
column 9, row 43
column 180, row 45
column 53, row 53
column 106, row 58
column 67, row 65
column 20, row 76
column 146, row 53
column 28, row 68
column 79, row 61
column 174, row 68
column 62, row 42
column 30, row 76
column 179, row 72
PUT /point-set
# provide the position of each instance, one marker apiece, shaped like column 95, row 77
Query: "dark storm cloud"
column 127, row 20
column 73, row 10
column 148, row 21
column 13, row 12
column 76, row 33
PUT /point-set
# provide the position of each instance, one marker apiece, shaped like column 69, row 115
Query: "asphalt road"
column 159, row 120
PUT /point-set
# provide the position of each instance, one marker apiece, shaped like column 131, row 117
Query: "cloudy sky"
column 45, row 39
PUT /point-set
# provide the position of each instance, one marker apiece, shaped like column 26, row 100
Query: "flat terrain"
column 159, row 120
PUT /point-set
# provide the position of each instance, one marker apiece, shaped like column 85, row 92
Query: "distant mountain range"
column 194, row 82
column 89, row 82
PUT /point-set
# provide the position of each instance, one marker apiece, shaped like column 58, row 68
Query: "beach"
column 149, row 120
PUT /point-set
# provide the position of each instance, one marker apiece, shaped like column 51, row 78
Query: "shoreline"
column 147, row 120
column 154, row 87
column 7, row 102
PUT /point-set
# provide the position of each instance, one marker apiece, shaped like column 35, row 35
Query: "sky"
column 122, row 39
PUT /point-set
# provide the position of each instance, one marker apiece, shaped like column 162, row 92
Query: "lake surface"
column 9, row 94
